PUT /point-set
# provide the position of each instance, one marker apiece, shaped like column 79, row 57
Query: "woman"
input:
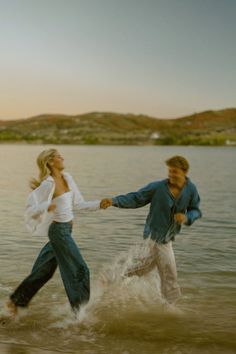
column 50, row 211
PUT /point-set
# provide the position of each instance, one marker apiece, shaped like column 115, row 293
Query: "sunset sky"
column 163, row 58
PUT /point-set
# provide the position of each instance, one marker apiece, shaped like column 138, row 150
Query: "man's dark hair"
column 179, row 162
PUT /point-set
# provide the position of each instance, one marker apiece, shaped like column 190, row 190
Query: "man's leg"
column 43, row 269
column 145, row 264
column 165, row 261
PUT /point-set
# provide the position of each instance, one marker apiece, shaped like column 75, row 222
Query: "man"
column 173, row 202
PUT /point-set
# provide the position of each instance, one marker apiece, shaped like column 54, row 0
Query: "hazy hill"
column 205, row 128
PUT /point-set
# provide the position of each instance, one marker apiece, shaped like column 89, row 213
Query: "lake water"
column 124, row 316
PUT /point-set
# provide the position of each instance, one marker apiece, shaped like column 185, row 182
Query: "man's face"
column 176, row 175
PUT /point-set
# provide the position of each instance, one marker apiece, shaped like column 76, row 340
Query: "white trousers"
column 162, row 257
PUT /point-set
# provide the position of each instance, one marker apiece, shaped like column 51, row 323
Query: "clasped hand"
column 105, row 203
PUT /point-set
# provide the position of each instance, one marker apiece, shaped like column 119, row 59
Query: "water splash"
column 114, row 295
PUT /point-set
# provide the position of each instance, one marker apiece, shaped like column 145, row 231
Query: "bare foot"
column 12, row 308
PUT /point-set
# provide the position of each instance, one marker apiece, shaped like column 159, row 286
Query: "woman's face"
column 57, row 162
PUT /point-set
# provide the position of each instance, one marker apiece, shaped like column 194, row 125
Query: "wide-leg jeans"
column 61, row 250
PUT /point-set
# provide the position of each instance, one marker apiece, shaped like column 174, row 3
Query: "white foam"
column 112, row 290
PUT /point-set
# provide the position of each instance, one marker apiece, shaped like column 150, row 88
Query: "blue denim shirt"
column 160, row 223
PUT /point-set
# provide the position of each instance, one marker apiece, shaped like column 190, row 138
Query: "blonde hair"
column 43, row 160
column 179, row 162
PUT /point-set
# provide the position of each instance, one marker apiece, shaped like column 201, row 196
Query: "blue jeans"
column 61, row 250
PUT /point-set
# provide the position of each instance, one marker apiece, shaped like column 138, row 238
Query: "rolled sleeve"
column 193, row 210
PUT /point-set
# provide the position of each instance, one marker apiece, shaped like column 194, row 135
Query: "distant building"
column 230, row 142
column 155, row 136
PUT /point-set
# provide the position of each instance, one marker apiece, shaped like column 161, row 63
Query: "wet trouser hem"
column 18, row 303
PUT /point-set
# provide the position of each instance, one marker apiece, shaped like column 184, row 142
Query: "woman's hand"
column 105, row 203
column 51, row 207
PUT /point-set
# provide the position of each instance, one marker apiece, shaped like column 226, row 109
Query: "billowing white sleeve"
column 78, row 201
column 37, row 202
column 34, row 211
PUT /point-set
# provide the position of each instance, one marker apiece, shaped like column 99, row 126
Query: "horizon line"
column 118, row 113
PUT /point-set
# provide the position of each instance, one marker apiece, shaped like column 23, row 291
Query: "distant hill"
column 205, row 128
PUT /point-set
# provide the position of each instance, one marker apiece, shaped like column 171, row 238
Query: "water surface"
column 124, row 315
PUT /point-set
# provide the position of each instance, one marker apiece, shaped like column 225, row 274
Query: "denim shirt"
column 160, row 223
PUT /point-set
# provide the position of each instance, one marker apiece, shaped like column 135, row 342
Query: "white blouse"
column 37, row 217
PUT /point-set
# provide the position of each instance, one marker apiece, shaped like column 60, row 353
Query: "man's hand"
column 180, row 218
column 51, row 207
column 105, row 203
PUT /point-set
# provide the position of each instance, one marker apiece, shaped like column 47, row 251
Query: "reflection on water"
column 125, row 315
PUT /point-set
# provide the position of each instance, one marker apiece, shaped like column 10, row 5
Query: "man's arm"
column 135, row 199
column 193, row 211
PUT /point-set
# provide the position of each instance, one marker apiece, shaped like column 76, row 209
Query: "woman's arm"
column 79, row 202
column 39, row 202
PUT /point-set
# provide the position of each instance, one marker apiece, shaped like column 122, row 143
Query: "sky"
column 162, row 58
